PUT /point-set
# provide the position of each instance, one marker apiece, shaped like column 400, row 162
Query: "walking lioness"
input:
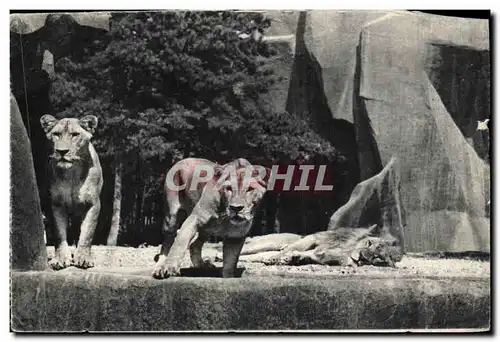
column 75, row 185
column 214, row 207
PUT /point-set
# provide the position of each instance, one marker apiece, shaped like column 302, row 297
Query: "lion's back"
column 183, row 176
column 338, row 238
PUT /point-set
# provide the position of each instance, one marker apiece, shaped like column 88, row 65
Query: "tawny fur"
column 75, row 185
column 343, row 247
column 226, row 212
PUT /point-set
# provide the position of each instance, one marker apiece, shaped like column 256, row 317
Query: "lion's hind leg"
column 174, row 217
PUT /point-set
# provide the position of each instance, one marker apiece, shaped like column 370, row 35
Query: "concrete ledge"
column 99, row 301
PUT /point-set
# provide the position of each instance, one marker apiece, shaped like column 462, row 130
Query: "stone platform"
column 420, row 294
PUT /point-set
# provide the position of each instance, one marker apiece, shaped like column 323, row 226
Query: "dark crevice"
column 462, row 78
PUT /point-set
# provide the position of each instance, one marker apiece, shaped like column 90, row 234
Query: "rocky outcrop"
column 443, row 180
column 375, row 201
column 38, row 39
column 371, row 68
column 28, row 250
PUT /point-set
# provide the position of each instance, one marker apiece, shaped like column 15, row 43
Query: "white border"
column 190, row 4
column 256, row 4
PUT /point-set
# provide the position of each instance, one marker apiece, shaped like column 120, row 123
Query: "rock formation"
column 376, row 200
column 28, row 250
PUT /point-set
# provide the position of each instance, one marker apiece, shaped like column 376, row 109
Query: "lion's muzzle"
column 62, row 152
column 237, row 219
column 64, row 157
column 235, row 209
column 236, row 214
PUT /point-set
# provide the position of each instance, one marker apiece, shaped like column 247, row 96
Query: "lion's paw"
column 166, row 269
column 207, row 263
column 273, row 260
column 289, row 258
column 62, row 259
column 219, row 257
column 156, row 257
column 57, row 264
column 83, row 259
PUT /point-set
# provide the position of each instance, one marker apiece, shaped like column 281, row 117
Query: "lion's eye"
column 56, row 135
column 75, row 134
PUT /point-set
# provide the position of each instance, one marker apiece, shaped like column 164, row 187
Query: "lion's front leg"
column 230, row 254
column 170, row 265
column 195, row 252
column 62, row 257
column 83, row 258
column 293, row 258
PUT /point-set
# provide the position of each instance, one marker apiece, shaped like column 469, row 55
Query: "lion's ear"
column 257, row 173
column 48, row 122
column 266, row 174
column 89, row 123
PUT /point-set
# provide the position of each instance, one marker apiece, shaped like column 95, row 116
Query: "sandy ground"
column 410, row 266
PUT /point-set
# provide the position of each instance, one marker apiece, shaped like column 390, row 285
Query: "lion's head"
column 70, row 138
column 377, row 249
column 241, row 195
column 361, row 246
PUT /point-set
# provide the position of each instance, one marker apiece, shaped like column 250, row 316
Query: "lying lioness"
column 343, row 247
column 224, row 209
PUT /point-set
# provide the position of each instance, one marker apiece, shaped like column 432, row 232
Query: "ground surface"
column 140, row 261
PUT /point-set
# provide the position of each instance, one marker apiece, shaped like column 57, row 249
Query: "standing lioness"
column 75, row 185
